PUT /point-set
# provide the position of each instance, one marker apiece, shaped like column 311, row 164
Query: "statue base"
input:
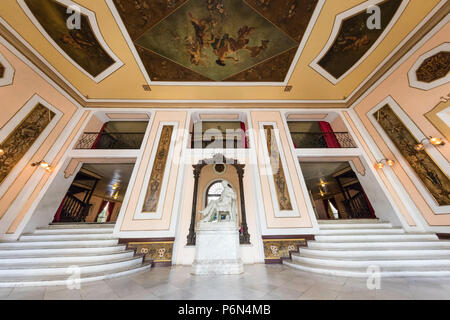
column 217, row 249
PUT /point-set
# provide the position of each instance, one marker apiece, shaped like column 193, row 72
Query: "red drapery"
column 110, row 211
column 330, row 137
column 94, row 145
column 244, row 135
column 371, row 209
column 58, row 213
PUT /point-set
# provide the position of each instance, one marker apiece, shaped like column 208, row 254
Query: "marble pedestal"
column 217, row 249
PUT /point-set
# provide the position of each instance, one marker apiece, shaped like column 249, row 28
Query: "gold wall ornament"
column 279, row 179
column 158, row 251
column 434, row 179
column 276, row 248
column 20, row 140
column 434, row 68
column 159, row 166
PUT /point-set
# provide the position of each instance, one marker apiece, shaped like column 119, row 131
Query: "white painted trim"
column 416, row 215
column 419, row 44
column 8, row 75
column 95, row 28
column 431, row 150
column 138, row 59
column 120, row 217
column 139, row 214
column 25, row 60
column 270, row 175
column 412, row 75
column 13, row 123
column 337, row 27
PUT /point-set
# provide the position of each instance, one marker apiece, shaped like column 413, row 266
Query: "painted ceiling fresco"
column 81, row 45
column 434, row 68
column 216, row 40
column 355, row 39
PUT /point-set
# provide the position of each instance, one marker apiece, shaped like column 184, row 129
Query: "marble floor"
column 260, row 282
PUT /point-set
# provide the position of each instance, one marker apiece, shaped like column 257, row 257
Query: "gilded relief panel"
column 279, row 179
column 158, row 252
column 355, row 39
column 23, row 137
column 159, row 166
column 79, row 44
column 434, row 68
column 275, row 249
column 434, row 179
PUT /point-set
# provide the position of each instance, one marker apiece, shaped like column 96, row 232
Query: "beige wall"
column 415, row 103
column 28, row 83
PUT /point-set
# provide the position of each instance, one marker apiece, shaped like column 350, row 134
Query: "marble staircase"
column 349, row 248
column 50, row 256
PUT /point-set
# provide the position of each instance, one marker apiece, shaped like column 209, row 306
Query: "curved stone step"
column 350, row 264
column 40, row 281
column 48, row 231
column 381, row 245
column 378, row 231
column 40, row 261
column 375, row 254
column 384, row 225
column 376, row 237
column 58, row 244
column 363, row 273
column 56, row 252
column 27, row 271
column 58, row 237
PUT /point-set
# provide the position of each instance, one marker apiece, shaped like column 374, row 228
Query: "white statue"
column 222, row 209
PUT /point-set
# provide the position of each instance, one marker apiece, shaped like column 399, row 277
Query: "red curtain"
column 330, row 137
column 58, row 213
column 94, row 145
column 244, row 135
column 110, row 210
column 371, row 209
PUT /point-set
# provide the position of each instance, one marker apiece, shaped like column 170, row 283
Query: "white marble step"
column 79, row 226
column 50, row 231
column 375, row 254
column 363, row 272
column 55, row 237
column 40, row 261
column 57, row 252
column 58, row 244
column 40, row 281
column 361, row 231
column 404, row 264
column 384, row 225
column 26, row 271
column 381, row 245
column 376, row 237
column 350, row 221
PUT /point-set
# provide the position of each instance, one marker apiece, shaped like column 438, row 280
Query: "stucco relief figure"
column 222, row 209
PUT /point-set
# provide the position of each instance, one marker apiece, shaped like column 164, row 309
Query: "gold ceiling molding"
column 74, row 162
column 128, row 116
column 359, row 166
column 76, row 91
column 303, row 116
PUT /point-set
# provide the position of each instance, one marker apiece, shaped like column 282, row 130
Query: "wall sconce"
column 43, row 164
column 432, row 140
column 2, row 152
column 380, row 164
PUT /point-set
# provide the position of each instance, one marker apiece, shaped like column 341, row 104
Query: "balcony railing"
column 110, row 140
column 315, row 140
